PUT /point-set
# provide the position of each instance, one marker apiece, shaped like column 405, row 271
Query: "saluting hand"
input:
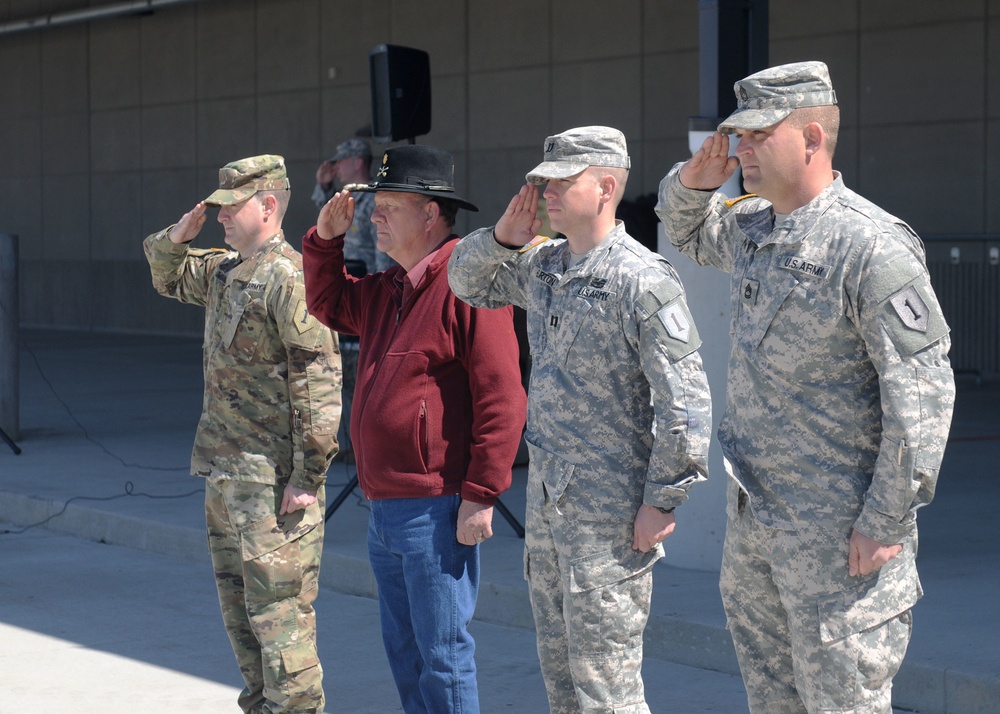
column 711, row 166
column 336, row 216
column 518, row 225
column 189, row 226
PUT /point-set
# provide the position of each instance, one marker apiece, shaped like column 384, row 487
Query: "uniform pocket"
column 243, row 331
column 272, row 555
column 608, row 598
column 609, row 567
column 864, row 632
column 881, row 597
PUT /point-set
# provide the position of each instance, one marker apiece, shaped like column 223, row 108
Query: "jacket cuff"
column 307, row 481
column 881, row 527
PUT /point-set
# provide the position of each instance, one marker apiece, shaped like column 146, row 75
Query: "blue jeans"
column 428, row 583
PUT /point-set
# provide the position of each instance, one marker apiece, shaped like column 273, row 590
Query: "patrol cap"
column 766, row 97
column 241, row 179
column 571, row 152
column 352, row 147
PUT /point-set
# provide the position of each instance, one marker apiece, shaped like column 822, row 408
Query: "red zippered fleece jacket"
column 438, row 407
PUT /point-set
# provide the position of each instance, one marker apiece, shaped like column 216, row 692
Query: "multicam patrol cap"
column 572, row 151
column 352, row 147
column 241, row 179
column 767, row 97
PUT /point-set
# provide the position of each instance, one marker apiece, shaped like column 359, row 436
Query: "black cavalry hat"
column 416, row 169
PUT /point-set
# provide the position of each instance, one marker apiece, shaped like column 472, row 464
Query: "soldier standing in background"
column 351, row 164
column 267, row 431
column 839, row 404
column 619, row 413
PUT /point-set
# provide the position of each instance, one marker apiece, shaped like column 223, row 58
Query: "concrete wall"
column 113, row 129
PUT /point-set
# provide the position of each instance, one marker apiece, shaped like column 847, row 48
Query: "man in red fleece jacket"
column 438, row 413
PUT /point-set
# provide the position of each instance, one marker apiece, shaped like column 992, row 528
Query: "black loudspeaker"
column 401, row 92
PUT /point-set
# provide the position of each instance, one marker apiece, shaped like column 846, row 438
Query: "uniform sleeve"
column 907, row 339
column 486, row 274
column 694, row 221
column 180, row 271
column 682, row 404
column 314, row 382
column 489, row 352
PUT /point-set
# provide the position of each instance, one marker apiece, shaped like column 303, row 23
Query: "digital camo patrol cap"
column 571, row 152
column 241, row 179
column 351, row 147
column 766, row 97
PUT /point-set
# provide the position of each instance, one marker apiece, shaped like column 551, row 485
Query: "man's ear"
column 268, row 206
column 815, row 137
column 608, row 186
column 433, row 211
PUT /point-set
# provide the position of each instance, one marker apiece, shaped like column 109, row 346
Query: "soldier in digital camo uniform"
column 840, row 397
column 619, row 413
column 268, row 428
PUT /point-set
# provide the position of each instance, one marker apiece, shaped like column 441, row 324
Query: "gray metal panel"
column 965, row 273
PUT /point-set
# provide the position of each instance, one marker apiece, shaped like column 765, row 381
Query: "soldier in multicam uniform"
column 840, row 397
column 619, row 413
column 267, row 431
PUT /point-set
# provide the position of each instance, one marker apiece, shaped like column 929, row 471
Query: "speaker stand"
column 10, row 442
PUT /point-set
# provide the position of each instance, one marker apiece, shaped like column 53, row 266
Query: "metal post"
column 9, row 344
column 733, row 44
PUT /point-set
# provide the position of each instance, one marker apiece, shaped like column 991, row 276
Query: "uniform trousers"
column 810, row 638
column 267, row 574
column 590, row 596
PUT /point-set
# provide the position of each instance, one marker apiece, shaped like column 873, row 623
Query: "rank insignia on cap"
column 911, row 308
column 673, row 318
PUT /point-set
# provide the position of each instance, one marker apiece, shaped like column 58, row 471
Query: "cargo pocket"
column 302, row 677
column 602, row 587
column 864, row 632
column 272, row 558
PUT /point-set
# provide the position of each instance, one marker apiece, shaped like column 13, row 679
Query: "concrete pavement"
column 107, row 423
